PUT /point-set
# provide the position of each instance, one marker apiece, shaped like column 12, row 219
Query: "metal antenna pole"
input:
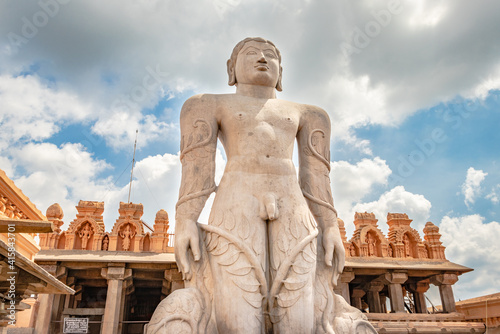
column 133, row 163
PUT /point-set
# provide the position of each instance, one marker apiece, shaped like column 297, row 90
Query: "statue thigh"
column 293, row 257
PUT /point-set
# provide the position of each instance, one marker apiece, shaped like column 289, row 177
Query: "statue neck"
column 260, row 92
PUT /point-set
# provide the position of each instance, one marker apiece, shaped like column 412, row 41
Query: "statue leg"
column 292, row 240
column 235, row 241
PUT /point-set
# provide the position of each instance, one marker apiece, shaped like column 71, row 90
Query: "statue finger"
column 182, row 263
column 340, row 261
column 335, row 277
column 329, row 250
column 195, row 248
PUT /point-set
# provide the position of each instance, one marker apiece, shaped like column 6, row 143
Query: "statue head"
column 232, row 62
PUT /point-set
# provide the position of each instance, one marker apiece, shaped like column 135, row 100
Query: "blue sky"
column 412, row 89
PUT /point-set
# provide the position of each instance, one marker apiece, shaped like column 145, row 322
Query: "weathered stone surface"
column 271, row 255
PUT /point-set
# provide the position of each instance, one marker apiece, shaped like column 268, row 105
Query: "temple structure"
column 120, row 276
column 20, row 278
column 388, row 277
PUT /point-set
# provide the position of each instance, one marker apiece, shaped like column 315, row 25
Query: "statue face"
column 257, row 64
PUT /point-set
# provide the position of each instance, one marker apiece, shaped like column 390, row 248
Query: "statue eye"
column 251, row 53
column 270, row 55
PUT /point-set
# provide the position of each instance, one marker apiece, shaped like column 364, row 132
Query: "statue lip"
column 261, row 67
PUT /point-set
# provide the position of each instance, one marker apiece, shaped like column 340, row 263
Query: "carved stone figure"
column 390, row 251
column 85, row 234
column 271, row 254
column 371, row 244
column 105, row 243
column 127, row 234
column 406, row 243
column 352, row 250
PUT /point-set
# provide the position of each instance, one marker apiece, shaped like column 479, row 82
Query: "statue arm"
column 199, row 130
column 314, row 176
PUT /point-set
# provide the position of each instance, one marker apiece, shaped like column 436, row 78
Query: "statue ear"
column 279, row 86
column 230, row 72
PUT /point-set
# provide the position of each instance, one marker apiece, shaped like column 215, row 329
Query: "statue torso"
column 258, row 134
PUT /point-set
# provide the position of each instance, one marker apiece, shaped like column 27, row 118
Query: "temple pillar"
column 356, row 298
column 418, row 289
column 175, row 278
column 115, row 276
column 444, row 282
column 44, row 314
column 394, row 281
column 374, row 304
column 383, row 303
column 49, row 306
column 343, row 285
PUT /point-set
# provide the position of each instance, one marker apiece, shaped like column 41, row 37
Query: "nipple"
column 269, row 207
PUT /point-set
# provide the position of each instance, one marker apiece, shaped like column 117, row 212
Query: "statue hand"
column 186, row 236
column 334, row 251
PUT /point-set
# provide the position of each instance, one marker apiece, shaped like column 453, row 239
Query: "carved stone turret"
column 159, row 237
column 405, row 241
column 368, row 239
column 433, row 244
column 87, row 230
column 128, row 231
column 50, row 240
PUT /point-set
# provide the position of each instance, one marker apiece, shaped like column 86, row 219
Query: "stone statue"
column 85, row 234
column 371, row 244
column 352, row 250
column 105, row 243
column 271, row 254
column 127, row 234
column 406, row 243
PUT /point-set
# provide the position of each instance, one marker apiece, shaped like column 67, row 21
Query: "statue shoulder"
column 200, row 105
column 313, row 115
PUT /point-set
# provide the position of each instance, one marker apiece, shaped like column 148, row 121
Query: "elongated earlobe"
column 279, row 86
column 230, row 72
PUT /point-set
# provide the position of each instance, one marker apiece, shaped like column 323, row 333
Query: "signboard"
column 76, row 325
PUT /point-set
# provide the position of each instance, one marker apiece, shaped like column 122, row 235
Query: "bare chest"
column 260, row 121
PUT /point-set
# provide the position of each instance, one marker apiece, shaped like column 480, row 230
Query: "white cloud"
column 471, row 188
column 424, row 54
column 6, row 166
column 398, row 200
column 493, row 196
column 32, row 110
column 64, row 174
column 120, row 128
column 350, row 183
column 472, row 242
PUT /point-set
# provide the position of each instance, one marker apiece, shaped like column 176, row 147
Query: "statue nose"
column 262, row 59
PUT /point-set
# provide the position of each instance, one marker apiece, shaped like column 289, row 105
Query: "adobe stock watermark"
column 12, row 274
column 31, row 25
column 425, row 148
column 360, row 38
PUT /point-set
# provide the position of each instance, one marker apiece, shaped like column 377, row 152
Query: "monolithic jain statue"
column 271, row 254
